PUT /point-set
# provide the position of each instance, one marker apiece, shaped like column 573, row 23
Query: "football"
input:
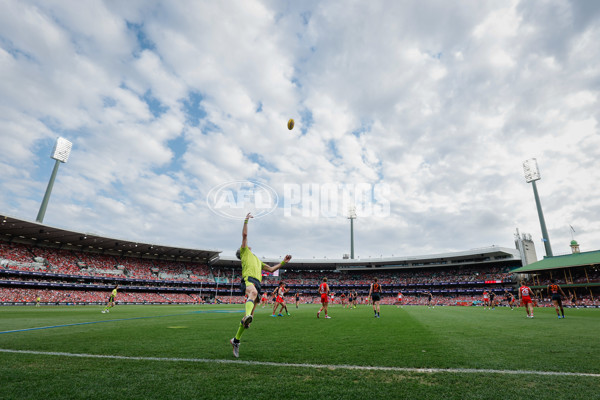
column 291, row 124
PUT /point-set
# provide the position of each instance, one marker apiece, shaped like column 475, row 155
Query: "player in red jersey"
column 486, row 299
column 343, row 299
column 400, row 300
column 324, row 292
column 525, row 299
column 556, row 291
column 279, row 301
column 264, row 300
column 375, row 295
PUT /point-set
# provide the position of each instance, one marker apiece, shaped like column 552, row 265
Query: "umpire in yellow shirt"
column 252, row 268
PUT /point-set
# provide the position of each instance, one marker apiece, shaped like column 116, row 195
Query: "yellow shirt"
column 114, row 293
column 251, row 265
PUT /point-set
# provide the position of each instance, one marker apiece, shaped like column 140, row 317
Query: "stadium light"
column 60, row 153
column 352, row 217
column 532, row 174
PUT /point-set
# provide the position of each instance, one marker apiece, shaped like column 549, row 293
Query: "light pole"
column 532, row 174
column 62, row 149
column 352, row 217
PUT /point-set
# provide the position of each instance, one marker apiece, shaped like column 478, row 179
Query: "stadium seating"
column 66, row 276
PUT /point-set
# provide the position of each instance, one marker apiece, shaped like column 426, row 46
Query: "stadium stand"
column 68, row 274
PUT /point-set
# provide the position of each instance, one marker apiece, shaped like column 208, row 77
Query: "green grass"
column 411, row 337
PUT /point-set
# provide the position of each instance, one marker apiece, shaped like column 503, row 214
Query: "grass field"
column 170, row 352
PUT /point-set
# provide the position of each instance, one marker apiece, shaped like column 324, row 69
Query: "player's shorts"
column 399, row 298
column 279, row 299
column 376, row 296
column 252, row 281
column 556, row 297
column 526, row 300
column 486, row 300
column 324, row 298
column 111, row 299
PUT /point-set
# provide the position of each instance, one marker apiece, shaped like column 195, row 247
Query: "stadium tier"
column 63, row 267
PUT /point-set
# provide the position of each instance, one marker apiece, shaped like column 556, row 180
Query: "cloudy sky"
column 436, row 103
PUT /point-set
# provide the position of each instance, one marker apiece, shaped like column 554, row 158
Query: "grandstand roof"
column 484, row 255
column 33, row 233
column 566, row 261
column 36, row 234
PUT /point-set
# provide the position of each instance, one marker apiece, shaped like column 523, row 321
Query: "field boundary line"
column 118, row 319
column 309, row 366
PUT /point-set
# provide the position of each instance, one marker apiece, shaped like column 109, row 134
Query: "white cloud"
column 440, row 101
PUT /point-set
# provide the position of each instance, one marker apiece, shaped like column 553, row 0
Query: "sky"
column 419, row 114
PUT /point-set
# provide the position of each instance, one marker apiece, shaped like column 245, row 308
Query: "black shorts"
column 111, row 299
column 375, row 297
column 557, row 297
column 253, row 281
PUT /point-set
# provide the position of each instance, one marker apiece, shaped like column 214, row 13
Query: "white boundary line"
column 311, row 366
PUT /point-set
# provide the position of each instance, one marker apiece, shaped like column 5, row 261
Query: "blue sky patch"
column 194, row 111
column 156, row 107
column 143, row 41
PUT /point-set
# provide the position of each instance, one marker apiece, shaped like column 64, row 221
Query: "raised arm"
column 274, row 268
column 245, row 231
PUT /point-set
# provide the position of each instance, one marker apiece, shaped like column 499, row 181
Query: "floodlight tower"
column 352, row 217
column 61, row 151
column 532, row 174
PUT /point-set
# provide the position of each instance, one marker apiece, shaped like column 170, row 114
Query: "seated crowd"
column 83, row 267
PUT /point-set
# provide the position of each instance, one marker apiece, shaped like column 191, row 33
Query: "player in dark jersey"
column 354, row 298
column 297, row 299
column 555, row 291
column 492, row 299
column 510, row 299
column 375, row 295
column 430, row 300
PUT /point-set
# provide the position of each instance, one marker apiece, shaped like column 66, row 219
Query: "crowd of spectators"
column 26, row 295
column 81, row 263
column 82, row 267
column 402, row 277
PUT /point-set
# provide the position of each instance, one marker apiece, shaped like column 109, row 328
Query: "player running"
column 264, row 300
column 324, row 292
column 486, row 299
column 279, row 301
column 375, row 295
column 525, row 299
column 354, row 298
column 111, row 300
column 510, row 299
column 252, row 268
column 556, row 292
